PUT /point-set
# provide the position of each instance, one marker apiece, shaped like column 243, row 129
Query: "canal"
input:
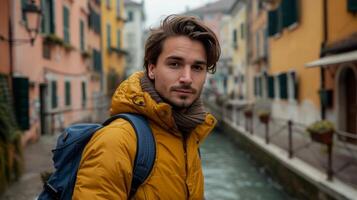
column 230, row 174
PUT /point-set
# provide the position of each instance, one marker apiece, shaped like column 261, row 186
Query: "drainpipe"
column 323, row 46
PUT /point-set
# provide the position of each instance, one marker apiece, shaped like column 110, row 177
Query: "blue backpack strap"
column 146, row 148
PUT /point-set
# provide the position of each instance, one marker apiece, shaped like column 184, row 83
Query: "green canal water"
column 231, row 174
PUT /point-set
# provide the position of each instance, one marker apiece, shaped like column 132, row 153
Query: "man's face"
column 180, row 71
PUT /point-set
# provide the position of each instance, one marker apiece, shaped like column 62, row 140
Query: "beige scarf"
column 185, row 121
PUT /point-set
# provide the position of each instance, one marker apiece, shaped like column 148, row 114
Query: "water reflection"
column 231, row 174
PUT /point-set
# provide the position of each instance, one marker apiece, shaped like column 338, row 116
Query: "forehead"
column 182, row 46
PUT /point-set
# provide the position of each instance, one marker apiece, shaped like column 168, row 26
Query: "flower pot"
column 323, row 138
column 264, row 118
column 248, row 114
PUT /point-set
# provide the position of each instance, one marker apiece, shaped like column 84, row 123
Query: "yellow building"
column 237, row 75
column 338, row 64
column 295, row 36
column 113, row 55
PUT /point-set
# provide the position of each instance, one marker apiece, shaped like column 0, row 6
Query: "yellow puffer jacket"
column 107, row 162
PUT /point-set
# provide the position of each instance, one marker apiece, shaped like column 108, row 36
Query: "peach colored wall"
column 4, row 31
column 299, row 46
column 63, row 65
column 341, row 23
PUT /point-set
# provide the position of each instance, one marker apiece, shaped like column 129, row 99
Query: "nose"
column 186, row 75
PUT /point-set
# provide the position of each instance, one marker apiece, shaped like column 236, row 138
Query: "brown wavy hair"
column 180, row 25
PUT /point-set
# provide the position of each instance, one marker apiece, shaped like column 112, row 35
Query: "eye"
column 198, row 68
column 174, row 64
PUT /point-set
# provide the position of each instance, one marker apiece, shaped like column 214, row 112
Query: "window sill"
column 293, row 26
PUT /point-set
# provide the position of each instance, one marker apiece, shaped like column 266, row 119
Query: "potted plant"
column 52, row 39
column 86, row 54
column 321, row 131
column 264, row 116
column 248, row 112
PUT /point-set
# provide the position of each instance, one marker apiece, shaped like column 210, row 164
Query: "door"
column 43, row 88
column 351, row 102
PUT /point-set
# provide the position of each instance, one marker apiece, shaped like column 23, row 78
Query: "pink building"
column 62, row 68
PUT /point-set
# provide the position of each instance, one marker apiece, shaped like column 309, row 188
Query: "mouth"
column 184, row 91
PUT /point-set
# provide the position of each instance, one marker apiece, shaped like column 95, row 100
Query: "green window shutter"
column 52, row 16
column 242, row 31
column 66, row 16
column 109, row 39
column 283, row 83
column 21, row 101
column 273, row 22
column 44, row 16
column 68, row 93
column 289, row 12
column 256, row 87
column 118, row 38
column 235, row 36
column 260, row 86
column 352, row 6
column 97, row 60
column 84, row 94
column 296, row 85
column 82, row 39
column 271, row 88
column 54, row 94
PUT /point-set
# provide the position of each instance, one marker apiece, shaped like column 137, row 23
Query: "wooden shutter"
column 289, row 12
column 21, row 100
column 54, row 94
column 82, row 35
column 84, row 94
column 109, row 41
column 118, row 38
column 23, row 5
column 66, row 17
column 273, row 22
column 271, row 88
column 283, row 85
column 68, row 93
column 352, row 6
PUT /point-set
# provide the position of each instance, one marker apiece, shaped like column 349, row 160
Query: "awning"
column 334, row 59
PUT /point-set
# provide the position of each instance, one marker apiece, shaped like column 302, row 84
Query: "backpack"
column 69, row 148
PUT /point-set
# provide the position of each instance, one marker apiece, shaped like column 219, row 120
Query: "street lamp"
column 33, row 16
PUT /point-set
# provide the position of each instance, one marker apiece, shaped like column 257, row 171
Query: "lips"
column 186, row 91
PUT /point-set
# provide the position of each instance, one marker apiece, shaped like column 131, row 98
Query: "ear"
column 151, row 71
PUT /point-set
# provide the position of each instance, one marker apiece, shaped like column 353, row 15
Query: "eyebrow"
column 197, row 62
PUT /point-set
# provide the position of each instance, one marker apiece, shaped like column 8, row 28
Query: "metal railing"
column 297, row 141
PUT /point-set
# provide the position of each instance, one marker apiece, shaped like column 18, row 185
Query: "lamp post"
column 32, row 23
column 33, row 16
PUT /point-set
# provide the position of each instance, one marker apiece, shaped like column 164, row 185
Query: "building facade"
column 56, row 70
column 113, row 54
column 134, row 36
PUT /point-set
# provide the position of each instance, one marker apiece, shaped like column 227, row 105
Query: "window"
column 293, row 85
column 352, row 6
column 130, row 16
column 21, row 100
column 94, row 21
column 48, row 17
column 97, row 61
column 235, row 38
column 289, row 12
column 286, row 15
column 84, row 94
column 66, row 30
column 82, row 37
column 283, row 85
column 242, row 30
column 67, row 93
column 118, row 38
column 109, row 39
column 271, row 88
column 53, row 94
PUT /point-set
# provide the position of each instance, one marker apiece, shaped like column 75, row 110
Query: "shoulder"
column 117, row 137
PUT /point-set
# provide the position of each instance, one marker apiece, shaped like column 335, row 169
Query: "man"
column 178, row 56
